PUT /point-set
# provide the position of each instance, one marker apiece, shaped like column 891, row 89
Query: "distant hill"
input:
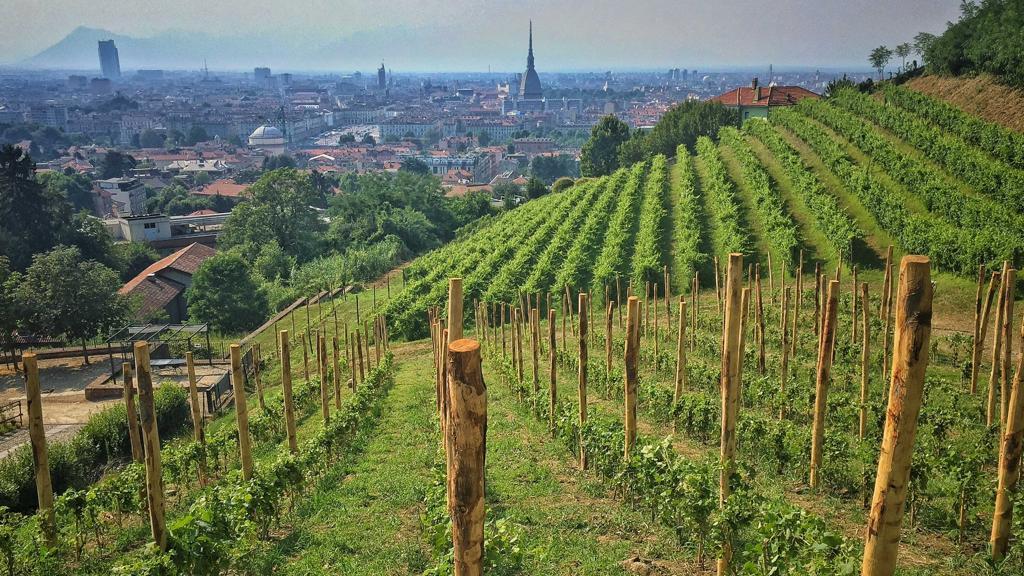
column 980, row 95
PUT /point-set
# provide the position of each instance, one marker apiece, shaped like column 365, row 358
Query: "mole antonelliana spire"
column 529, row 87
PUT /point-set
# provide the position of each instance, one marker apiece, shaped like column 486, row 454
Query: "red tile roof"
column 223, row 187
column 155, row 290
column 765, row 96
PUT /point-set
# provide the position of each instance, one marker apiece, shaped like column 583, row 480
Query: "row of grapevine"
column 724, row 210
column 1001, row 143
column 687, row 230
column 612, row 263
column 920, row 233
column 829, row 216
column 939, row 194
column 779, row 229
column 648, row 258
column 576, row 266
column 974, row 167
column 507, row 284
column 543, row 273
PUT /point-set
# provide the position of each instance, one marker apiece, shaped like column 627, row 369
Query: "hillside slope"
column 980, row 95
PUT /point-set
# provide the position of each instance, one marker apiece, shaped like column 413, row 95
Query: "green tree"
column 32, row 217
column 279, row 207
column 682, row 124
column 535, row 188
column 879, row 58
column 115, row 164
column 562, row 184
column 415, row 165
column 202, row 178
column 470, row 208
column 483, row 138
column 600, row 154
column 83, row 304
column 75, row 188
column 134, row 257
column 923, row 41
column 551, row 168
column 197, row 134
column 273, row 263
column 278, row 161
column 903, row 51
column 150, row 138
column 225, row 296
column 9, row 309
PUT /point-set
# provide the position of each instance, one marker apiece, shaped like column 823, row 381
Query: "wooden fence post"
column 305, row 357
column 321, row 362
column 784, row 361
column 654, row 306
column 1010, row 449
column 799, row 280
column 130, row 409
column 608, row 340
column 997, row 352
column 584, row 305
column 37, row 437
column 910, row 360
column 761, row 362
column 535, row 348
column 197, row 415
column 854, row 296
column 241, row 410
column 632, row 343
column 151, row 442
column 358, row 341
column 455, row 303
column 553, row 371
column 825, row 345
column 865, row 358
column 887, row 325
column 681, row 375
column 885, row 283
column 1004, row 381
column 979, row 342
column 286, row 390
column 466, row 437
column 730, row 387
column 817, row 299
column 255, row 352
column 337, row 372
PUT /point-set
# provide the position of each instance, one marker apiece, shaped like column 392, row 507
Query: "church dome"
column 266, row 132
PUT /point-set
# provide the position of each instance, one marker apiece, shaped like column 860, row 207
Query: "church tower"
column 529, row 86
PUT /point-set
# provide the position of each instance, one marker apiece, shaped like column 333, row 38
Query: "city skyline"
column 464, row 36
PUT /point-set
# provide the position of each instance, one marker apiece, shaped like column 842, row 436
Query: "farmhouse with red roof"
column 756, row 101
column 162, row 285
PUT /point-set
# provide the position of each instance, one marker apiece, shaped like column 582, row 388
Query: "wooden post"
column 647, row 308
column 771, row 277
column 997, row 352
column 519, row 349
column 305, row 357
column 1004, row 390
column 151, row 443
column 654, row 303
column 784, row 362
column 197, row 415
column 1010, row 448
column 133, row 420
column 910, row 359
column 730, row 387
column 466, row 438
column 887, row 329
column 799, row 300
column 668, row 296
column 824, row 374
column 977, row 322
column 885, row 283
column 817, row 299
column 535, row 348
column 286, row 391
column 632, row 343
column 337, row 372
column 358, row 341
column 681, row 374
column 584, row 305
column 865, row 357
column 40, row 457
column 321, row 368
column 255, row 351
column 608, row 339
column 241, row 410
column 760, row 324
column 979, row 343
column 693, row 313
column 718, row 286
column 366, row 344
column 853, row 304
column 553, row 372
column 455, row 301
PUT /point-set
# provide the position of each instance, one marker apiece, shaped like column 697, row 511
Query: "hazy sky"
column 466, row 34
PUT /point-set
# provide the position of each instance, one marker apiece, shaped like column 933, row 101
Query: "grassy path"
column 755, row 227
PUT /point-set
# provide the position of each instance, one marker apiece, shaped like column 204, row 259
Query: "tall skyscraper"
column 529, row 85
column 110, row 63
column 382, row 81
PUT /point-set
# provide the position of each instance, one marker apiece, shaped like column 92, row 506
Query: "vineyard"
column 791, row 350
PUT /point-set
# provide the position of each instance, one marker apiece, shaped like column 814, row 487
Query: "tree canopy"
column 986, row 38
column 224, row 295
column 682, row 124
column 600, row 155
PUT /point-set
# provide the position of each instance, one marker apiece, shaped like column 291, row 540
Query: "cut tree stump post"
column 1010, row 449
column 681, row 375
column 552, row 371
column 133, row 419
column 241, row 411
column 455, row 304
column 910, row 360
column 979, row 342
column 286, row 391
column 40, row 458
column 467, row 441
column 824, row 374
column 584, row 305
column 865, row 359
column 730, row 387
column 151, row 443
column 630, row 358
column 197, row 415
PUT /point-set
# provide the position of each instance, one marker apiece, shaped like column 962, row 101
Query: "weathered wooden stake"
column 630, row 358
column 979, row 343
column 681, row 375
column 854, row 297
column 761, row 360
column 40, row 457
column 1004, row 381
column 336, row 365
column 1010, row 448
column 305, row 357
column 151, row 444
column 784, row 361
column 197, row 415
column 608, row 339
column 825, row 344
column 910, row 359
column 255, row 352
column 730, row 387
column 865, row 358
column 535, row 348
column 133, row 419
column 241, row 410
column 466, row 438
column 552, row 372
column 286, row 391
column 455, row 302
column 584, row 305
column 991, row 414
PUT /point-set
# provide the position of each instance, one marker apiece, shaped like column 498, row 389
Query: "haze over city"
column 463, row 35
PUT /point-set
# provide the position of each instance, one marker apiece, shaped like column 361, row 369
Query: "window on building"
column 149, row 225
